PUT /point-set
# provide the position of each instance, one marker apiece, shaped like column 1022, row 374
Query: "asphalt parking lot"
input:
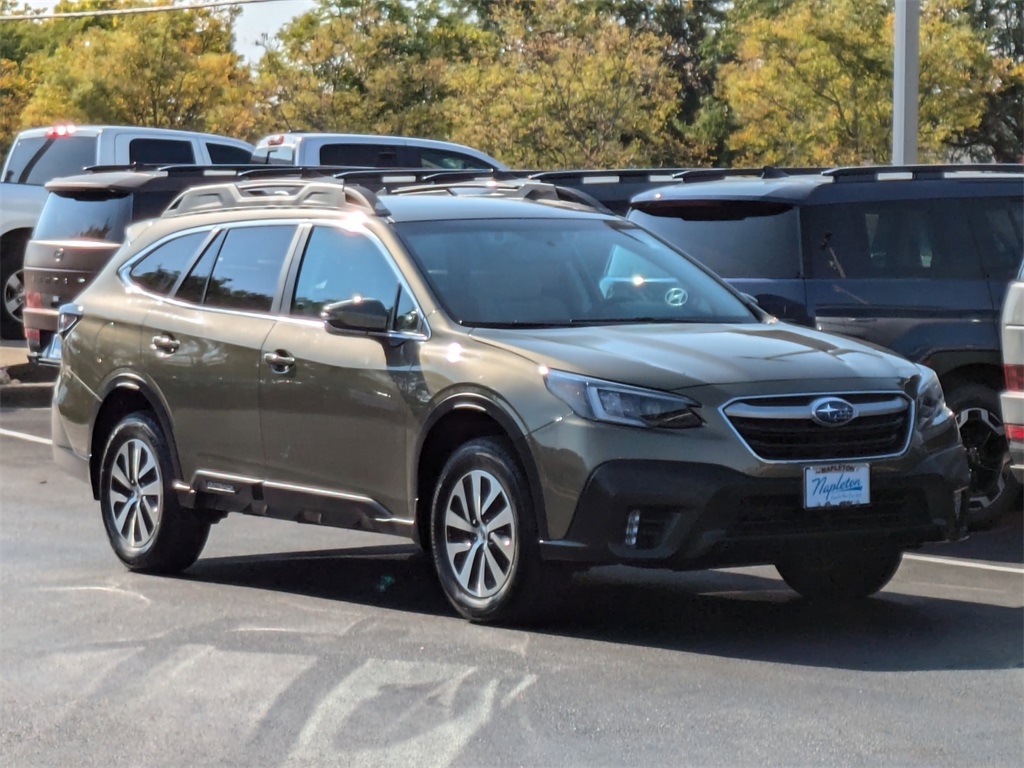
column 292, row 645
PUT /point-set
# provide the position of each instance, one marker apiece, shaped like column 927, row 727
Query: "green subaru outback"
column 517, row 382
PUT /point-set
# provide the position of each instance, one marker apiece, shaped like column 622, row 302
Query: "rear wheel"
column 840, row 575
column 993, row 488
column 147, row 528
column 484, row 534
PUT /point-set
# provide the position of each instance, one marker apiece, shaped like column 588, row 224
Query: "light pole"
column 904, row 86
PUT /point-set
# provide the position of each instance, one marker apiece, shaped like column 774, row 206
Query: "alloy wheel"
column 983, row 436
column 136, row 494
column 14, row 295
column 480, row 534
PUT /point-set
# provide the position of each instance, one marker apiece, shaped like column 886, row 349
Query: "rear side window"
column 160, row 269
column 225, row 154
column 248, row 268
column 159, row 151
column 735, row 238
column 366, row 155
column 997, row 223
column 891, row 239
column 37, row 160
column 94, row 217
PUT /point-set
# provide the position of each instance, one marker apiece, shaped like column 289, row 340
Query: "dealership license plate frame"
column 842, row 484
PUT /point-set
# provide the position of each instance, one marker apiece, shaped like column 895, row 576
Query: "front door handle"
column 279, row 361
column 165, row 343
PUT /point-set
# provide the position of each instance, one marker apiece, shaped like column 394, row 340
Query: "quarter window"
column 248, row 268
column 159, row 270
column 225, row 154
column 340, row 265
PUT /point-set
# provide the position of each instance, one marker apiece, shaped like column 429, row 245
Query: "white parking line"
column 23, row 436
column 964, row 563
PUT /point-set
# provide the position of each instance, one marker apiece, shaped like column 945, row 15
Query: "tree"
column 812, row 83
column 172, row 70
column 562, row 84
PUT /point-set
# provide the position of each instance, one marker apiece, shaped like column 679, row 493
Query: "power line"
column 131, row 11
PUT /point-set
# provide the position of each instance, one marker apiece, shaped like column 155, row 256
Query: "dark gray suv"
column 515, row 383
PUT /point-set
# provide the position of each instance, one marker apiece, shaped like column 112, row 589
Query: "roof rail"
column 325, row 193
column 918, row 172
column 394, row 178
column 514, row 187
column 765, row 172
column 609, row 176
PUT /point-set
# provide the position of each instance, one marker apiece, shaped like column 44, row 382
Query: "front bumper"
column 683, row 515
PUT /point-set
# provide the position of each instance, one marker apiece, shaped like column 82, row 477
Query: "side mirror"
column 356, row 316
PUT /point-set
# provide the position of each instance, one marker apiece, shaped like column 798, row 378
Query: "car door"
column 203, row 347
column 904, row 274
column 334, row 418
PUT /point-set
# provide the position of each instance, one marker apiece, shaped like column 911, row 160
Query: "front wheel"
column 993, row 489
column 843, row 575
column 484, row 534
column 147, row 528
column 12, row 281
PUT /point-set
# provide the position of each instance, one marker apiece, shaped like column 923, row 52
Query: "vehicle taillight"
column 33, row 338
column 1015, row 433
column 66, row 319
column 33, row 299
column 1014, row 377
column 61, row 129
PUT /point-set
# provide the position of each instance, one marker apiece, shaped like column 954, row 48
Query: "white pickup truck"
column 41, row 154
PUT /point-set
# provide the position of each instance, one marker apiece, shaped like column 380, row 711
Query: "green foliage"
column 812, row 84
column 564, row 85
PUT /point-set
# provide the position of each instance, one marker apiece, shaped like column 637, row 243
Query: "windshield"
column 735, row 238
column 39, row 159
column 557, row 272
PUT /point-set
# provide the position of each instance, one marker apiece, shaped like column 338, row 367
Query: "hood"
column 672, row 357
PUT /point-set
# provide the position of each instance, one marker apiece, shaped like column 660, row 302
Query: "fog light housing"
column 632, row 527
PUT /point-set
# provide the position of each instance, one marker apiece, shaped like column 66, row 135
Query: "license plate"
column 837, row 485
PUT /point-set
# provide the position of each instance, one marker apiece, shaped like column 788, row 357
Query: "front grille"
column 776, row 429
column 783, row 514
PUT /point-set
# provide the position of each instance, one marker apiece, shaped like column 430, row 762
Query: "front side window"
column 247, row 270
column 453, row 161
column 160, row 269
column 339, row 265
column 733, row 238
column 560, row 272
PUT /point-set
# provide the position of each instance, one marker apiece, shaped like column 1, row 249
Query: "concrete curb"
column 26, row 386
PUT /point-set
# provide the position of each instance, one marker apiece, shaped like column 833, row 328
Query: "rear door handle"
column 279, row 361
column 165, row 343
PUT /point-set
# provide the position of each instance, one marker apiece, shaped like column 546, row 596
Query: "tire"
column 12, row 283
column 993, row 489
column 488, row 561
column 840, row 575
column 147, row 528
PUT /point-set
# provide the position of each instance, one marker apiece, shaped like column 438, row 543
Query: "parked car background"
column 916, row 259
column 41, row 154
column 1012, row 399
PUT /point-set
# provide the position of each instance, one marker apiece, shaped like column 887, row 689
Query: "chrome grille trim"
column 797, row 407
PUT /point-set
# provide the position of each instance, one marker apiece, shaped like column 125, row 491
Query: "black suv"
column 914, row 258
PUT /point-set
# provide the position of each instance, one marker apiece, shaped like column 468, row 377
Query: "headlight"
column 599, row 400
column 931, row 403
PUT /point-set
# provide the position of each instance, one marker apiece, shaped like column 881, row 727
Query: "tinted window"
column 225, row 154
column 193, row 287
column 436, row 158
column 735, row 238
column 997, row 226
column 96, row 217
column 37, row 160
column 552, row 272
column 340, row 265
column 159, row 270
column 895, row 239
column 159, row 151
column 248, row 268
column 368, row 155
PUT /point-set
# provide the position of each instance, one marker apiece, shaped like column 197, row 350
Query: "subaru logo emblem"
column 832, row 411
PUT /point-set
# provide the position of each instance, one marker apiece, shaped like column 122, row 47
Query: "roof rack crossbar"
column 512, row 187
column 327, row 193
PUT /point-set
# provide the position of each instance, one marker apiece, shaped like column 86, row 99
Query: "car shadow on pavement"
column 720, row 613
column 1001, row 543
